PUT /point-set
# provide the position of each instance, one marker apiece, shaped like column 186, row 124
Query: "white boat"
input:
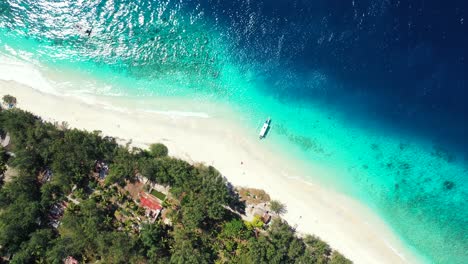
column 264, row 129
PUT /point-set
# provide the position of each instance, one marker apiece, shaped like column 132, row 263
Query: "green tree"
column 84, row 229
column 283, row 237
column 176, row 173
column 116, row 247
column 50, row 194
column 34, row 250
column 279, row 245
column 27, row 161
column 123, row 168
column 192, row 212
column 148, row 168
column 17, row 221
column 156, row 241
column 317, row 248
column 277, row 207
column 61, row 248
column 190, row 247
column 204, row 194
column 261, row 250
column 23, row 186
column 74, row 156
column 233, row 236
column 158, row 150
column 235, row 229
column 20, row 125
column 9, row 100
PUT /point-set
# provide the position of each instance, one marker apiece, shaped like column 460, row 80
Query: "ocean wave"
column 24, row 73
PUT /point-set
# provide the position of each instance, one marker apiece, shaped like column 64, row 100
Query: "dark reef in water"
column 303, row 142
column 442, row 153
column 448, row 185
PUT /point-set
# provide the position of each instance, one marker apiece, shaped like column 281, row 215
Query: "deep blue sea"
column 377, row 89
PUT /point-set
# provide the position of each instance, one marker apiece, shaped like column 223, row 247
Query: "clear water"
column 375, row 90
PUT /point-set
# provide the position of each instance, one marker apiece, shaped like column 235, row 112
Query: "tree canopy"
column 158, row 150
column 9, row 100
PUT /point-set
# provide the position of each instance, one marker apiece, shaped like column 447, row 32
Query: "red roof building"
column 151, row 204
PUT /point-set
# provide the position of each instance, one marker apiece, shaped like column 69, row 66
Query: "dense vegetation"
column 202, row 229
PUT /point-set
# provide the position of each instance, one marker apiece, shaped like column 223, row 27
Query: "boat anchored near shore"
column 265, row 128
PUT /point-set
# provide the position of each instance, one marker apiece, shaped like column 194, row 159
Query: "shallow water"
column 375, row 90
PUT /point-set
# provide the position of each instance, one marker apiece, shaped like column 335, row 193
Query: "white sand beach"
column 339, row 220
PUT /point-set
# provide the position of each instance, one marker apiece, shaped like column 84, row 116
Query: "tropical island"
column 73, row 196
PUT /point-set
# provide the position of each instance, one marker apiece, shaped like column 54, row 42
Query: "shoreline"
column 344, row 223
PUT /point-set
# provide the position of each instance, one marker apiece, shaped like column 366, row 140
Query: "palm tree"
column 277, row 207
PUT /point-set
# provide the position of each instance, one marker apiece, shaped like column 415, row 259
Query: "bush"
column 255, row 223
column 158, row 150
